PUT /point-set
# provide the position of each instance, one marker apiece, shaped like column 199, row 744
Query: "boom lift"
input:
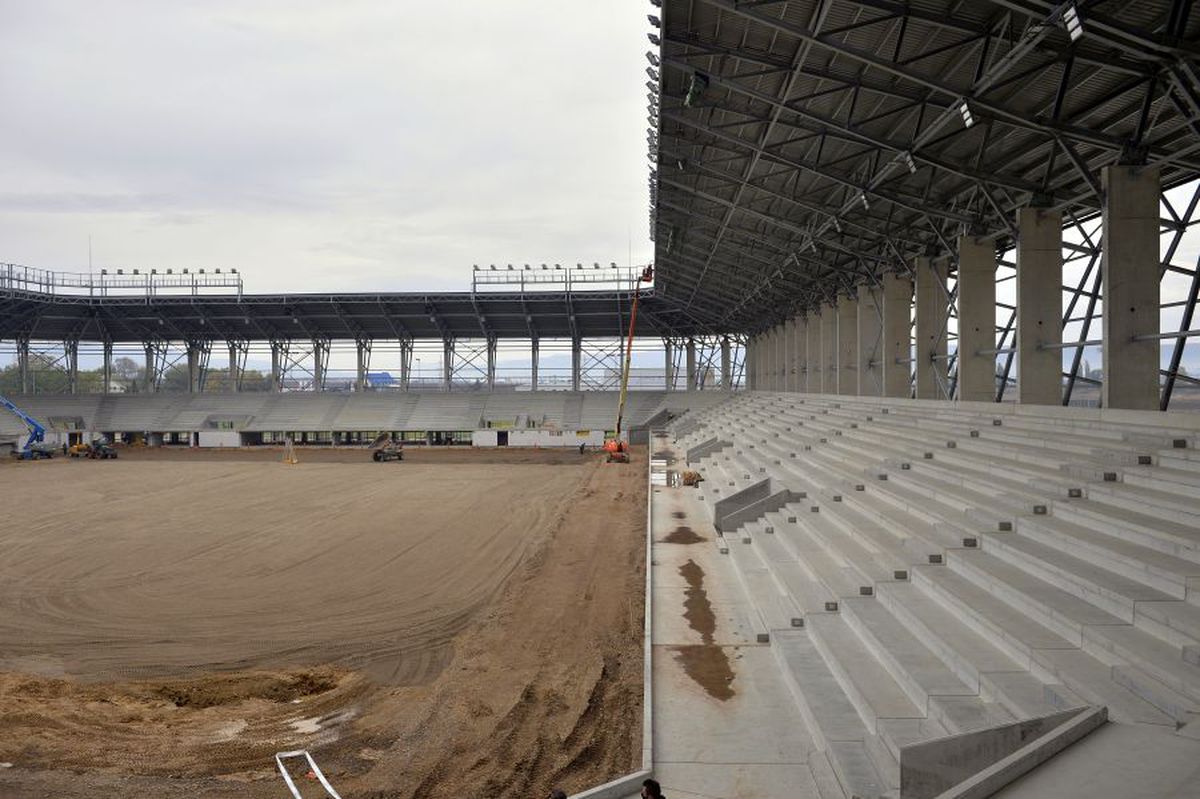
column 618, row 450
column 30, row 449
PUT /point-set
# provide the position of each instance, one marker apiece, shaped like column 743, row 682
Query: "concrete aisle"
column 713, row 737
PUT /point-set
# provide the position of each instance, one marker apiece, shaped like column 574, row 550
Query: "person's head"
column 651, row 790
column 558, row 793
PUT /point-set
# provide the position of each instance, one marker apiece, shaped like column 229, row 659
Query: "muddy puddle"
column 683, row 535
column 706, row 663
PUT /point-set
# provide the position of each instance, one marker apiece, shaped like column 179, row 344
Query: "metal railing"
column 119, row 282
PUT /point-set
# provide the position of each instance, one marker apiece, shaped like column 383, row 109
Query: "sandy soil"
column 429, row 629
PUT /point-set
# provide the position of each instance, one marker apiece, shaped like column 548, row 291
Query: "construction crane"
column 618, row 450
column 29, row 449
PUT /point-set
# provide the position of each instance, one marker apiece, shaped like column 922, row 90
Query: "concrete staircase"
column 946, row 569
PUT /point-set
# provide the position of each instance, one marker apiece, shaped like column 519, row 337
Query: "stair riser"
column 1178, row 707
column 1112, row 652
column 865, row 712
column 910, row 686
column 961, row 667
column 1186, row 514
column 1011, row 646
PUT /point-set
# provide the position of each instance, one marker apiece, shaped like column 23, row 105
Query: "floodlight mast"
column 646, row 276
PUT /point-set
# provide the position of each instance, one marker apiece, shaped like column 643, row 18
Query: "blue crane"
column 37, row 432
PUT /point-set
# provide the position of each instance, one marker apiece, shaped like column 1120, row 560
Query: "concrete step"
column 1163, row 477
column 966, row 652
column 864, row 680
column 831, row 718
column 1026, row 696
column 1173, row 538
column 825, row 530
column 809, row 593
column 1161, row 660
column 1167, row 505
column 914, row 667
column 776, row 610
column 959, row 714
column 840, row 578
column 1150, row 567
column 1175, row 622
column 1092, row 681
column 1105, row 590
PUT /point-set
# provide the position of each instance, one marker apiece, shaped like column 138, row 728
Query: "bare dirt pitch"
column 462, row 624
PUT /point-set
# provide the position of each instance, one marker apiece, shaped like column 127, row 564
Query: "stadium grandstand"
column 916, row 378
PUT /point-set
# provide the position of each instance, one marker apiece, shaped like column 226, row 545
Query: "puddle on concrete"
column 677, row 514
column 706, row 663
column 683, row 535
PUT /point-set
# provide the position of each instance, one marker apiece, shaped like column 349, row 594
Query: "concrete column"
column 1131, row 287
column 149, row 383
column 276, row 366
column 812, row 352
column 235, row 368
column 447, row 364
column 794, row 361
column 870, row 338
column 576, row 362
column 895, row 351
column 829, row 352
column 193, row 368
column 534, row 357
column 23, row 365
column 726, row 364
column 976, row 319
column 1039, row 306
column 668, row 365
column 800, row 350
column 320, row 363
column 691, row 364
column 71, row 349
column 362, row 353
column 491, row 362
column 106, row 367
column 406, row 355
column 847, row 346
column 931, row 328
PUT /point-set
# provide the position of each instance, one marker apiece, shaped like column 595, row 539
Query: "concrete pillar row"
column 870, row 341
column 829, row 353
column 1131, row 287
column 931, row 328
column 896, row 348
column 1039, row 306
column 847, row 346
column 976, row 319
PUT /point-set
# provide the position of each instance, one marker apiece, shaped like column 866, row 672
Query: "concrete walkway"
column 715, row 737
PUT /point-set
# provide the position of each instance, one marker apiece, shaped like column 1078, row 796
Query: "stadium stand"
column 922, row 569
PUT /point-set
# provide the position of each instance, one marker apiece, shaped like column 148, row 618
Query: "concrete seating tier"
column 950, row 568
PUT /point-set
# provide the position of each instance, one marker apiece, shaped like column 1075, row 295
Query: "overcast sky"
column 349, row 145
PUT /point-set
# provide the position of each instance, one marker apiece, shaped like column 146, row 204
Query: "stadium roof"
column 800, row 148
column 587, row 314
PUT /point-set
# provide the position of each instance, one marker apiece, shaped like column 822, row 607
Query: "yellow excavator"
column 617, row 449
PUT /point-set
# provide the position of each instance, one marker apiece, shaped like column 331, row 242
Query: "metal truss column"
column 1130, row 291
column 726, row 364
column 895, row 354
column 491, row 362
column 406, row 356
column 106, row 367
column 534, row 357
column 931, row 328
column 977, row 319
column 829, row 353
column 23, row 364
column 71, row 353
column 847, row 346
column 870, row 341
column 447, row 364
column 362, row 363
column 691, row 364
column 1039, row 307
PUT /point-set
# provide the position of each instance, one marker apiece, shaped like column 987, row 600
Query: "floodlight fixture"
column 863, row 198
column 653, row 87
column 654, row 40
column 652, row 58
column 656, row 3
column 655, row 21
column 965, row 110
column 1072, row 21
column 908, row 160
column 653, row 73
